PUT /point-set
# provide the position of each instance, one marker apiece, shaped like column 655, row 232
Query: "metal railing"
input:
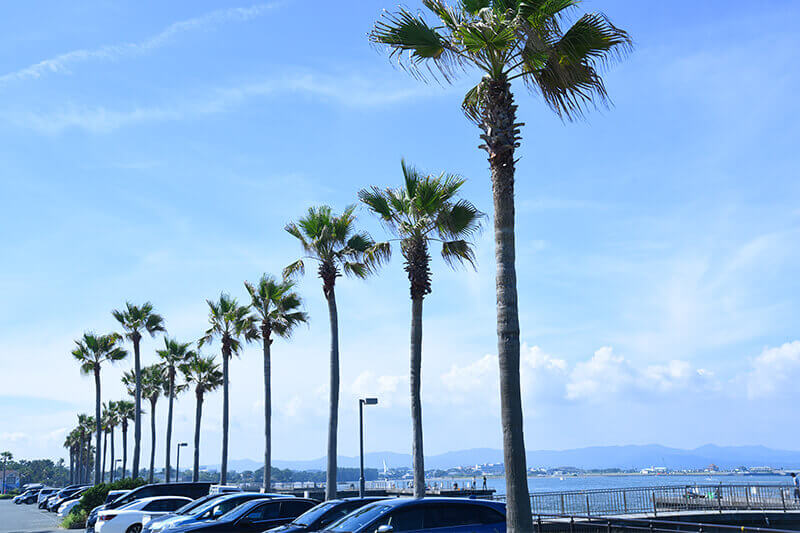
column 587, row 524
column 654, row 500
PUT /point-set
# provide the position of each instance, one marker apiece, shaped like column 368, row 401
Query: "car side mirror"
column 386, row 528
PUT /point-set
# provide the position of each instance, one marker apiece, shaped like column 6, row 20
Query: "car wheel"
column 135, row 528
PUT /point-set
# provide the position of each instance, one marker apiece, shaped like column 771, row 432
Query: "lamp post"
column 178, row 462
column 361, row 403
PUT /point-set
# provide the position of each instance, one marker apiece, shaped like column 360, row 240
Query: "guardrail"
column 654, row 500
column 587, row 524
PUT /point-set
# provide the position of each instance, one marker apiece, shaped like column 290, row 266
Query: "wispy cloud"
column 348, row 91
column 63, row 62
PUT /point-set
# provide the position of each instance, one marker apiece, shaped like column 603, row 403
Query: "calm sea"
column 551, row 484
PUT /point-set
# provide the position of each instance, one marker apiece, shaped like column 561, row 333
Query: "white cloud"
column 62, row 63
column 392, row 390
column 350, row 91
column 775, row 371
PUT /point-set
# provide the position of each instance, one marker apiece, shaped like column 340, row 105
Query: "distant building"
column 712, row 468
column 11, row 481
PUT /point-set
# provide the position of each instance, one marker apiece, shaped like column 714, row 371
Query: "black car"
column 252, row 517
column 64, row 495
column 324, row 514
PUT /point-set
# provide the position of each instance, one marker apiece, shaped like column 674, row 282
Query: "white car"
column 129, row 518
column 67, row 506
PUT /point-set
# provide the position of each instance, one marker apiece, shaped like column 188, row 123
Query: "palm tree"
column 204, row 374
column 420, row 213
column 91, row 352
column 87, row 424
column 172, row 355
column 508, row 40
column 6, row 457
column 126, row 410
column 277, row 307
column 106, row 429
column 136, row 320
column 154, row 383
column 69, row 444
column 113, row 421
column 230, row 322
column 332, row 242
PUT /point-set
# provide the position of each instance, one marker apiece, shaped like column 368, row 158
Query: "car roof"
column 402, row 502
column 156, row 498
column 255, row 502
column 357, row 498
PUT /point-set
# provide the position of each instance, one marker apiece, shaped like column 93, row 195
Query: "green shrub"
column 6, row 496
column 76, row 519
column 97, row 495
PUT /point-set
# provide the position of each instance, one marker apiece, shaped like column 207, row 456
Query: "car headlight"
column 146, row 520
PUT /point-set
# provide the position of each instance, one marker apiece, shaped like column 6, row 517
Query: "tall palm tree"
column 173, row 354
column 87, row 424
column 230, row 322
column 106, row 428
column 6, row 457
column 113, row 422
column 334, row 244
column 69, row 444
column 154, row 384
column 278, row 309
column 204, row 374
column 126, row 410
column 136, row 320
column 421, row 213
column 508, row 40
column 91, row 351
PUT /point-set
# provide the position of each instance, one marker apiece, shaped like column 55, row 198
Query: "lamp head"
column 371, row 401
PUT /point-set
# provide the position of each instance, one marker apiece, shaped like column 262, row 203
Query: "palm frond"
column 297, row 268
column 458, row 252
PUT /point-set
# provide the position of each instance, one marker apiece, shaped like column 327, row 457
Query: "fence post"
column 655, row 508
column 539, row 524
column 783, row 501
column 562, row 503
column 588, row 512
column 608, row 526
column 571, row 524
column 625, row 501
column 747, row 496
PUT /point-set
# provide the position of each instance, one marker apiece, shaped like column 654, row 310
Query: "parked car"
column 223, row 489
column 324, row 514
column 443, row 515
column 158, row 522
column 253, row 517
column 209, row 511
column 32, row 497
column 189, row 490
column 110, row 497
column 20, row 498
column 67, row 506
column 63, row 495
column 128, row 519
column 44, row 494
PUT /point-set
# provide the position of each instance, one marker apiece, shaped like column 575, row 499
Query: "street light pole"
column 361, row 403
column 178, row 462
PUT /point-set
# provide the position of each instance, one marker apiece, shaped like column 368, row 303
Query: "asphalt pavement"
column 26, row 519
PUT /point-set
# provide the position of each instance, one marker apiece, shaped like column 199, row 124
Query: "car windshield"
column 220, row 507
column 192, row 505
column 313, row 514
column 238, row 509
column 358, row 519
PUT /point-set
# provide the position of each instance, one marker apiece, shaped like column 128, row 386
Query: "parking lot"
column 25, row 519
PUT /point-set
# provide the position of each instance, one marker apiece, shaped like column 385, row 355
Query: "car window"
column 339, row 512
column 294, row 509
column 269, row 511
column 450, row 515
column 173, row 504
column 407, row 519
column 358, row 519
column 487, row 515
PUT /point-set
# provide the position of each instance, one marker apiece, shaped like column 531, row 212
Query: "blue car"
column 442, row 515
column 324, row 514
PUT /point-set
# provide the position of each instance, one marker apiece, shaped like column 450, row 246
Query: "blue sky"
column 155, row 151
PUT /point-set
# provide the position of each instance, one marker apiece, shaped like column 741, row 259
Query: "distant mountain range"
column 625, row 457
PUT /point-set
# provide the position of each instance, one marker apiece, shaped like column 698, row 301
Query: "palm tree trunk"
column 152, row 438
column 79, row 462
column 71, row 465
column 113, row 463
column 415, row 379
column 267, row 416
column 124, row 448
column 137, row 429
column 500, row 135
column 169, row 420
column 198, row 414
column 223, row 474
column 105, row 451
column 97, row 424
column 333, row 420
